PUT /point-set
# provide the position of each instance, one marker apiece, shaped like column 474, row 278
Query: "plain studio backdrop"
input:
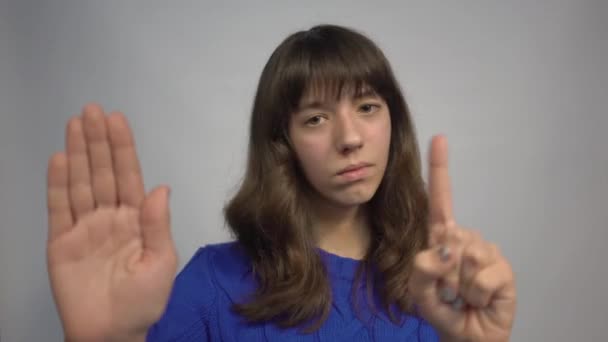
column 519, row 87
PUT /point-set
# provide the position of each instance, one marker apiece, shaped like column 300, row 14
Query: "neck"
column 343, row 231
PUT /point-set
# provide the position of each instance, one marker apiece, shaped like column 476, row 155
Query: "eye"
column 315, row 120
column 369, row 108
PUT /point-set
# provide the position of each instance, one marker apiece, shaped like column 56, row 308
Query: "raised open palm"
column 111, row 258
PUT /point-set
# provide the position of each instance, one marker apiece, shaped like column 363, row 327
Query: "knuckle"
column 476, row 235
column 459, row 234
column 419, row 261
column 482, row 284
column 452, row 281
column 508, row 268
column 473, row 254
column 494, row 249
column 449, row 222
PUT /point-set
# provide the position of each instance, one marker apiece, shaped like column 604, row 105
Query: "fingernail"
column 458, row 304
column 447, row 294
column 444, row 253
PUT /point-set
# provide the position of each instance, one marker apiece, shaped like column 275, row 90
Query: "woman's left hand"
column 461, row 284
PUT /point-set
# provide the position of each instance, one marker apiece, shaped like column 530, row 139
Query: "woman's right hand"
column 111, row 258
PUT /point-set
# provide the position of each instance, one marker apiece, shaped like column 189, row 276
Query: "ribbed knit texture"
column 219, row 275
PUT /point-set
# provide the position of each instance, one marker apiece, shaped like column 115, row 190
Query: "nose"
column 347, row 134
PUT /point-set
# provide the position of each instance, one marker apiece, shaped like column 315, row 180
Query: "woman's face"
column 329, row 136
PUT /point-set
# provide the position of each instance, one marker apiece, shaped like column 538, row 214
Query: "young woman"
column 336, row 237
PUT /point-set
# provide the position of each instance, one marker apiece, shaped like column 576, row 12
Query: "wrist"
column 447, row 338
column 139, row 337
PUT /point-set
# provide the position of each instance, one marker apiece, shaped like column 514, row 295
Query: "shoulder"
column 215, row 272
column 225, row 255
column 218, row 267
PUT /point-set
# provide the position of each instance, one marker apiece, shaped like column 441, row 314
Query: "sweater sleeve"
column 191, row 303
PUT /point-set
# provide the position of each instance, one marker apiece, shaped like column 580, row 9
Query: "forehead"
column 333, row 91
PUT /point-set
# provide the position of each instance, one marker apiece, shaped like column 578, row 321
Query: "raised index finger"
column 129, row 179
column 440, row 193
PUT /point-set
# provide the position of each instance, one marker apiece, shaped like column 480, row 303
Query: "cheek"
column 381, row 136
column 312, row 155
column 311, row 152
column 387, row 136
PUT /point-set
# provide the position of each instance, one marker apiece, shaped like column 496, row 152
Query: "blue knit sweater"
column 218, row 275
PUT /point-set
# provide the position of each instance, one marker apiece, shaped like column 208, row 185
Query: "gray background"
column 520, row 89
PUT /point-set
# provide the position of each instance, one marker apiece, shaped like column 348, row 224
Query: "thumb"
column 155, row 220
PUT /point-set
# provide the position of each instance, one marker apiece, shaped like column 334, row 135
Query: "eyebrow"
column 315, row 103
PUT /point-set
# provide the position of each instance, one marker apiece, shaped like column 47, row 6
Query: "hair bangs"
column 328, row 67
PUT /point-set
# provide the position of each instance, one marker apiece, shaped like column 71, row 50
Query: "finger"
column 440, row 196
column 155, row 220
column 129, row 178
column 486, row 284
column 58, row 197
column 430, row 266
column 81, row 193
column 100, row 156
column 477, row 255
column 456, row 239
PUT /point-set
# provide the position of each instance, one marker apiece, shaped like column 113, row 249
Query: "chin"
column 351, row 199
column 350, row 196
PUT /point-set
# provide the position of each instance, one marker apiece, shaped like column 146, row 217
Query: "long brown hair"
column 269, row 214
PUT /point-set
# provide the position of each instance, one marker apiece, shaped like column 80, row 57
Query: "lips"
column 353, row 167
